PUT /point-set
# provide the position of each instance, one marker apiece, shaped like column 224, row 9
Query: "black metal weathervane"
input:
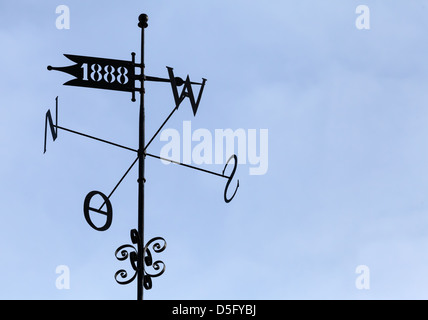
column 120, row 75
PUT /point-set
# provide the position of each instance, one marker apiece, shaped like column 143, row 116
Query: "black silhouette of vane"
column 120, row 75
column 100, row 73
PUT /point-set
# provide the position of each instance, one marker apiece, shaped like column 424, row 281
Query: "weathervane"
column 120, row 75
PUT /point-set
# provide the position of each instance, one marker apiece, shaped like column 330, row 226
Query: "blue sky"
column 347, row 183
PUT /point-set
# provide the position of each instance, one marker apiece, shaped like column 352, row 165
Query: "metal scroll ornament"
column 127, row 251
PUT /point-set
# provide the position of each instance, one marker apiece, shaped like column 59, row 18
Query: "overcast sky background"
column 347, row 183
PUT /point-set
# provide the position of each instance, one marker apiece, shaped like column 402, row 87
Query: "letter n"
column 52, row 126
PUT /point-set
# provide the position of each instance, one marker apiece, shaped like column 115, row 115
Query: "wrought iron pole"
column 143, row 18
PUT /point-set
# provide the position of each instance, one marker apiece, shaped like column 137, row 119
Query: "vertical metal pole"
column 143, row 18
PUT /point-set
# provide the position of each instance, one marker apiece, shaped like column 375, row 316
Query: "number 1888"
column 108, row 73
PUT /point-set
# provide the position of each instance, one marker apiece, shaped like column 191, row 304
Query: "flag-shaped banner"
column 100, row 73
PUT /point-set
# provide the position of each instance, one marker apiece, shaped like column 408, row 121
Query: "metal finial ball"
column 143, row 18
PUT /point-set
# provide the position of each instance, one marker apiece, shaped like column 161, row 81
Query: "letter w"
column 52, row 126
column 186, row 92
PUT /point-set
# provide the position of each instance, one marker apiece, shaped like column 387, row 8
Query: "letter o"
column 108, row 212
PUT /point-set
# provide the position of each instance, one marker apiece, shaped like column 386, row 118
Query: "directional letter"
column 186, row 92
column 229, row 179
column 52, row 126
column 108, row 212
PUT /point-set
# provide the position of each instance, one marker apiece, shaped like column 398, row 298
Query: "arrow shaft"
column 120, row 181
column 160, row 128
column 95, row 138
column 188, row 166
column 157, row 79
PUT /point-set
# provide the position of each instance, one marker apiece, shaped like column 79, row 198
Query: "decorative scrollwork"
column 124, row 274
column 122, row 253
column 126, row 251
column 158, row 265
